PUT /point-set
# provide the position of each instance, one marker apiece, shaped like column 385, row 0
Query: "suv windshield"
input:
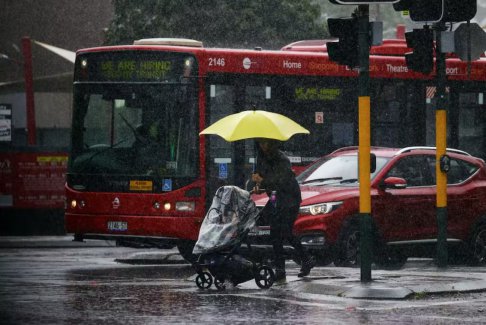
column 134, row 130
column 340, row 169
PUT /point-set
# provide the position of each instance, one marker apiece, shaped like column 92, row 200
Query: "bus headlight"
column 185, row 206
column 321, row 208
column 77, row 204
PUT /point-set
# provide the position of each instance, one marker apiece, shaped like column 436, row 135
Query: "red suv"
column 403, row 198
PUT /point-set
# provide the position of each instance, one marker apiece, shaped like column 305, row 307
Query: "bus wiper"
column 318, row 180
column 87, row 163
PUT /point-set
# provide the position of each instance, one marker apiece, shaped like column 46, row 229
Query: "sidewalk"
column 404, row 283
column 418, row 277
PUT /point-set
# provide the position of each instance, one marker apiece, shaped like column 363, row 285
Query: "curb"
column 51, row 242
column 152, row 259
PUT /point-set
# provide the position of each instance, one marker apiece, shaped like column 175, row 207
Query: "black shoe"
column 280, row 277
column 307, row 265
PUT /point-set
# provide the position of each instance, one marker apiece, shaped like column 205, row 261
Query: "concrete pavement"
column 417, row 278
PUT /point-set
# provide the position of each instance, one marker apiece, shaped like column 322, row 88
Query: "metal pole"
column 364, row 151
column 29, row 90
column 441, row 145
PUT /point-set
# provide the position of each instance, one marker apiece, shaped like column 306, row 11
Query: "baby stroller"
column 225, row 227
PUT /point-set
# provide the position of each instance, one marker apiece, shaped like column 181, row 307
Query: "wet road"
column 86, row 285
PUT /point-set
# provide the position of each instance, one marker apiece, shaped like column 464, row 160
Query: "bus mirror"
column 372, row 163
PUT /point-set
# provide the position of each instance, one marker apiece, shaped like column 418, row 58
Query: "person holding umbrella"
column 273, row 173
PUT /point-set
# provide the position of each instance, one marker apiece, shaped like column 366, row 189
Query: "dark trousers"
column 281, row 223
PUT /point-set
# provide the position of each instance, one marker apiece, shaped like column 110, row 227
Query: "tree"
column 224, row 23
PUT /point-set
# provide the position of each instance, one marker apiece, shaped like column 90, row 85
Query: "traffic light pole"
column 364, row 151
column 441, row 140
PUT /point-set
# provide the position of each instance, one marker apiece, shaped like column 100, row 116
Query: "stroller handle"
column 258, row 191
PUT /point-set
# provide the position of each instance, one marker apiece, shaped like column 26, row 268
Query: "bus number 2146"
column 218, row 62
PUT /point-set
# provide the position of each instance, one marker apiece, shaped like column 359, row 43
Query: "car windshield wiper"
column 349, row 180
column 319, row 180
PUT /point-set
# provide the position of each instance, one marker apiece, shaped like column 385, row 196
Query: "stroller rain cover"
column 232, row 212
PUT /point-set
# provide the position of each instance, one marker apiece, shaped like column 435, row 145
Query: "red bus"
column 138, row 169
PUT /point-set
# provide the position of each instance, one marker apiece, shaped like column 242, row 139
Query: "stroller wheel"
column 264, row 277
column 219, row 283
column 204, row 280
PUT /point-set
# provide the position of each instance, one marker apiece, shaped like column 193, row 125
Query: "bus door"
column 230, row 163
column 325, row 107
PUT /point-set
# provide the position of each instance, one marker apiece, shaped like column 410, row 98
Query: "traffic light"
column 455, row 10
column 421, row 41
column 438, row 10
column 345, row 51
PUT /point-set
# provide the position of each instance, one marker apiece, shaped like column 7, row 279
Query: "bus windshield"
column 135, row 130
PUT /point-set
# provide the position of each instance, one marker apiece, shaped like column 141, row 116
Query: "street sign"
column 473, row 38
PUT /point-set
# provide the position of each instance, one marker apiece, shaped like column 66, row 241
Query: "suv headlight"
column 321, row 208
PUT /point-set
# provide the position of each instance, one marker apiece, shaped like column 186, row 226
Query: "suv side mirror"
column 394, row 183
column 372, row 163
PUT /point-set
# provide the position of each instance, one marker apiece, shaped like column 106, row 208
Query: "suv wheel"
column 478, row 246
column 348, row 247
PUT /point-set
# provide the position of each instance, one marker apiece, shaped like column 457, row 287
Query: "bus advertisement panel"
column 30, row 180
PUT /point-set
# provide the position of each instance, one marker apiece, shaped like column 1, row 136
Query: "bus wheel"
column 185, row 248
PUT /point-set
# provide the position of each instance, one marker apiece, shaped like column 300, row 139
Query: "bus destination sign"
column 132, row 69
column 139, row 67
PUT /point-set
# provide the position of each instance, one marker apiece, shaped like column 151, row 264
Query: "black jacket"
column 275, row 168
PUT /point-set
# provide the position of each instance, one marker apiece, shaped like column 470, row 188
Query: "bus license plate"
column 117, row 225
column 259, row 232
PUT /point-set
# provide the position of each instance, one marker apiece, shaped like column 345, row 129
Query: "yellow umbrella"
column 255, row 124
